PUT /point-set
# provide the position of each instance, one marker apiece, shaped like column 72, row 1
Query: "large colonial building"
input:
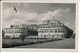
column 16, row 31
column 52, row 29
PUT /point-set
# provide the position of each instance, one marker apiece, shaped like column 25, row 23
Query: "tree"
column 24, row 33
column 2, row 34
column 22, row 37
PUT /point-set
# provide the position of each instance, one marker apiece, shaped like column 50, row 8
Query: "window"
column 58, row 30
column 32, row 28
column 55, row 30
column 45, row 30
column 61, row 30
column 15, row 31
column 42, row 31
column 11, row 26
column 8, row 31
column 19, row 31
column 17, row 25
column 44, row 36
column 50, row 30
column 51, row 23
column 11, row 31
column 39, row 31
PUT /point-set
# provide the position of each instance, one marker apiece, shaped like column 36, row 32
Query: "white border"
column 55, row 1
column 40, row 49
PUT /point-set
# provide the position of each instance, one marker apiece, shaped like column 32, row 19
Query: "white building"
column 16, row 31
column 53, row 29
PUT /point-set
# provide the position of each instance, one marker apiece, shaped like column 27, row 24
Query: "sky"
column 37, row 13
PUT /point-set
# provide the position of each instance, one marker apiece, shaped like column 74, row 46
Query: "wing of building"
column 54, row 29
column 16, row 31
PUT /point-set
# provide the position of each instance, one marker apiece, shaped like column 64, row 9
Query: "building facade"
column 16, row 31
column 54, row 29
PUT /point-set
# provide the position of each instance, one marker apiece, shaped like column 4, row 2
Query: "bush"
column 15, row 43
column 6, row 45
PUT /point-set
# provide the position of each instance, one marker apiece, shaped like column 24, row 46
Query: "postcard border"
column 25, row 49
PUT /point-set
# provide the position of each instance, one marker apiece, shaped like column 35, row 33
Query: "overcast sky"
column 36, row 13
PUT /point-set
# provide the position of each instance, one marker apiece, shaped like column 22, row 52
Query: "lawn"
column 67, row 43
column 7, row 43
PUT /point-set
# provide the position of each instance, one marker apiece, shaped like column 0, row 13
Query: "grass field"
column 19, row 40
column 6, row 43
column 67, row 43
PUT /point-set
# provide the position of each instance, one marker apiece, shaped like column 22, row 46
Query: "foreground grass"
column 7, row 43
column 67, row 43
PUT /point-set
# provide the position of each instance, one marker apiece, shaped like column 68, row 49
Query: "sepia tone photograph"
column 38, row 25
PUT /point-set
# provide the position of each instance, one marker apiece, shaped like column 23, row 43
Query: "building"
column 16, row 31
column 54, row 29
column 32, row 31
column 51, row 29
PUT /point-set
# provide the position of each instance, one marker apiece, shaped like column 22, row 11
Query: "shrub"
column 6, row 45
column 15, row 43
